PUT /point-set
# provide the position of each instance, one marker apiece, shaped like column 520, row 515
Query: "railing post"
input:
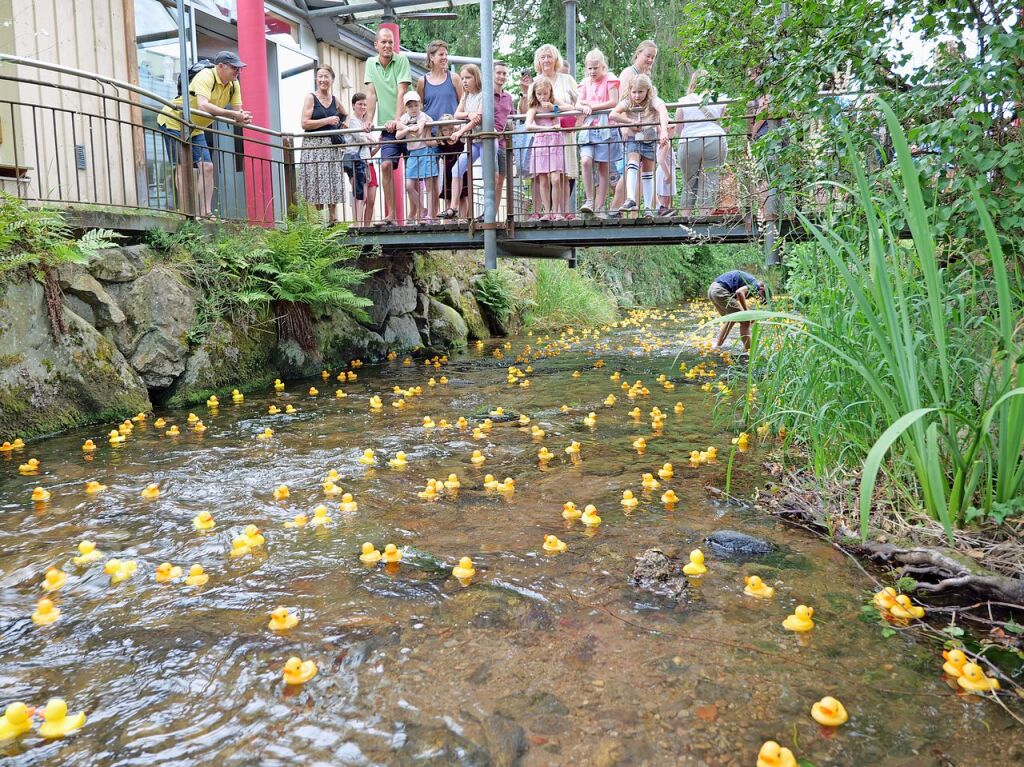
column 470, row 202
column 186, row 176
column 291, row 181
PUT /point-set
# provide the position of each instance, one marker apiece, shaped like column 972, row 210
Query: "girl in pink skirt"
column 547, row 162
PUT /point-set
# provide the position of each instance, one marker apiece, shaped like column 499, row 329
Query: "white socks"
column 647, row 181
column 632, row 171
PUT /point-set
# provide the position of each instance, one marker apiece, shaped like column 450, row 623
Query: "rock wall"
column 130, row 342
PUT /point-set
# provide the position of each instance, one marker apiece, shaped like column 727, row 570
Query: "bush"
column 567, row 297
column 495, row 291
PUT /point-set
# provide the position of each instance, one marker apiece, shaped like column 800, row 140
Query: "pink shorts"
column 373, row 175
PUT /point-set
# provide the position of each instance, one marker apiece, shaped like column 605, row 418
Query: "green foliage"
column 496, row 290
column 569, row 297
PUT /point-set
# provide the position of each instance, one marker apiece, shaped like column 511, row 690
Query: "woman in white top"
column 702, row 148
column 547, row 61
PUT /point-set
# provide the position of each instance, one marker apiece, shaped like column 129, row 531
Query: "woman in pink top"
column 599, row 91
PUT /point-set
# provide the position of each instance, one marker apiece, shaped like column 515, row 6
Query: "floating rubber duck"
column 119, row 570
column 774, row 755
column 829, row 712
column 87, row 553
column 281, row 492
column 742, row 442
column 666, row 472
column 290, row 409
column 428, row 422
column 442, row 380
column 367, row 458
column 639, row 444
column 278, row 384
column 477, row 458
column 628, row 501
column 537, row 433
column 430, row 491
column 490, row 483
column 573, row 449
column 711, row 453
column 267, row 433
column 755, row 587
column 553, row 545
column 973, row 679
column 351, row 376
column 634, row 413
column 886, row 598
column 39, row 495
column 45, row 613
column 524, row 420
column 282, row 620
column 239, row 547
column 54, row 579
column 320, row 517
column 299, row 520
column 564, row 408
column 7, row 447
column 331, row 489
column 166, row 572
column 544, row 455
column 609, row 400
column 695, row 566
column 213, row 402
column 57, row 722
column 369, row 555
column 174, row 431
column 399, row 461
column 313, row 391
column 464, row 570
column 92, row 487
column 589, row 516
column 151, row 490
column 203, row 521
column 507, row 486
column 452, row 483
column 237, row 397
column 478, row 433
column 678, row 408
column 391, row 554
column 800, row 620
column 955, row 660
column 196, row 576
column 348, row 504
column 199, row 427
column 297, row 671
column 904, row 609
column 669, row 497
column 17, row 720
column 575, row 374
column 590, row 419
column 88, row 446
column 324, row 374
column 29, row 467
column 273, row 410
column 192, row 418
column 462, row 423
column 648, row 482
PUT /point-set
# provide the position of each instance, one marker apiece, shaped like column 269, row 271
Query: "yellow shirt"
column 217, row 93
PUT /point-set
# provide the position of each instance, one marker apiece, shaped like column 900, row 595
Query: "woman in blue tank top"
column 440, row 94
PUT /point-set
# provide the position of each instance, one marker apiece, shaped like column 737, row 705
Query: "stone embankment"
column 130, row 341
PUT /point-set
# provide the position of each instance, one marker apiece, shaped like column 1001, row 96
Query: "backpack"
column 198, row 67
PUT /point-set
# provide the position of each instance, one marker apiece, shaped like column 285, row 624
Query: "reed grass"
column 566, row 297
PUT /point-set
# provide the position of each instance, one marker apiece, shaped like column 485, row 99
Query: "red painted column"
column 252, row 49
column 399, row 172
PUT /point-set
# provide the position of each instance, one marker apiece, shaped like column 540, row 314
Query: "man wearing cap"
column 216, row 92
column 387, row 79
column 729, row 293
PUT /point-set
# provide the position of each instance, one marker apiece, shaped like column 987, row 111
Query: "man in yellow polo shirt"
column 216, row 92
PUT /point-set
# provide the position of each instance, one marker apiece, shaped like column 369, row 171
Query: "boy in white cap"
column 421, row 165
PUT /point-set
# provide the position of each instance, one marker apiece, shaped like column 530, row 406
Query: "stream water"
column 552, row 658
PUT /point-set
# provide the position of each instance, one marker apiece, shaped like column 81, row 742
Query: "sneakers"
column 627, row 206
column 664, row 210
column 587, row 207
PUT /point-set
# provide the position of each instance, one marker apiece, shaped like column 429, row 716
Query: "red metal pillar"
column 252, row 49
column 399, row 171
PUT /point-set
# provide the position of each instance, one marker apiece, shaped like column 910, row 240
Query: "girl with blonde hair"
column 644, row 121
column 599, row 91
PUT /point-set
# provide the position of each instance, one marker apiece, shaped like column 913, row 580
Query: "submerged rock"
column 730, row 543
column 657, row 573
column 505, row 740
column 430, row 746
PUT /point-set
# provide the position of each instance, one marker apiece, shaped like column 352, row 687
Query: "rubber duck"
column 351, row 376
column 192, row 418
column 88, row 446
column 278, row 384
column 199, row 427
column 54, row 579
column 573, row 449
column 666, row 472
column 39, row 495
column 369, row 555
column 442, row 380
column 628, row 501
column 367, row 458
column 973, row 679
column 497, row 412
column 678, row 408
column 477, row 458
column 800, row 620
column 313, row 391
column 742, row 442
column 347, row 504
column 92, row 487
column 507, row 486
column 6, row 447
column 640, row 444
column 174, row 431
column 955, row 660
column 391, row 553
column 554, row 545
column 376, row 403
column 609, row 400
column 614, row 377
column 886, row 598
column 213, row 402
column 17, row 720
column 648, row 482
column 490, row 483
column 273, row 410
column 239, row 547
column 125, row 429
column 56, row 721
column 166, row 572
column 196, row 576
column 695, row 566
column 151, row 491
column 575, row 374
column 299, row 520
column 711, row 453
column 464, row 570
column 331, row 489
column 537, row 433
column 462, row 423
column 755, row 587
column 430, row 491
column 669, row 497
column 45, row 613
column 237, row 397
column 564, row 408
column 428, row 422
column 634, row 413
column 119, row 570
column 904, row 609
column 590, row 419
column 30, row 467
column 774, row 755
column 524, row 420
column 325, row 374
column 589, row 516
column 478, row 433
column 829, row 712
column 452, row 483
column 297, row 671
column 87, row 552
column 281, row 492
column 203, row 521
column 398, row 403
column 544, row 455
column 290, row 409
column 267, row 433
column 320, row 517
column 282, row 620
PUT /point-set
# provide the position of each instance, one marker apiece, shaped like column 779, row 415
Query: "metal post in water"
column 487, row 156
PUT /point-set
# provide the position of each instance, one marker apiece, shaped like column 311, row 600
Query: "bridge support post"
column 487, row 157
column 772, row 255
column 570, row 35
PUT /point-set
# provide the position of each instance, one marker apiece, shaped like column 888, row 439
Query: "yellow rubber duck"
column 253, row 536
column 490, row 483
column 297, row 671
column 192, row 418
column 428, row 422
column 348, row 504
column 290, row 409
column 151, row 491
column 430, row 491
column 640, row 444
column 17, row 720
column 281, row 492
column 800, row 621
column 392, row 553
column 119, row 570
column 174, row 431
column 199, row 427
column 166, row 572
column 367, row 458
column 462, row 423
column 267, row 433
column 886, row 598
column 351, row 376
column 442, row 380
column 30, row 467
column 6, row 447
column 320, row 517
column 57, row 722
column 478, row 433
column 159, row 423
column 313, row 391
column 237, row 397
column 116, row 438
column 299, row 520
column 45, row 613
column 376, row 403
column 39, row 495
column 695, row 566
column 331, row 489
column 507, row 486
column 203, row 521
column 278, row 384
column 524, row 420
column 634, row 413
column 570, row 511
column 196, row 576
column 88, row 446
column 477, row 458
column 590, row 419
column 955, row 661
column 669, row 497
column 829, row 712
column 678, row 408
column 553, row 545
column 213, row 402
column 564, row 408
column 87, row 553
column 239, row 547
column 629, row 501
column 452, row 483
column 332, row 476
column 973, row 679
column 666, row 472
column 92, row 487
column 544, row 455
column 282, row 620
column 774, row 755
column 399, row 461
column 573, row 449
column 648, row 482
column 711, row 453
column 589, row 516
column 369, row 555
column 537, row 433
column 755, row 587
column 54, row 579
column 273, row 410
column 904, row 609
column 464, row 570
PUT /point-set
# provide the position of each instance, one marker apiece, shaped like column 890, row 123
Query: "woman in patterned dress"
column 321, row 172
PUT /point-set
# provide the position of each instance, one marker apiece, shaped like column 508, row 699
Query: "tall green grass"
column 567, row 297
column 905, row 352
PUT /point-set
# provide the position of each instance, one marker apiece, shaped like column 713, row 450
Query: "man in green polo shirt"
column 216, row 92
column 387, row 79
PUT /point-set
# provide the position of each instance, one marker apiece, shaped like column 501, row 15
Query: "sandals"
column 448, row 213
